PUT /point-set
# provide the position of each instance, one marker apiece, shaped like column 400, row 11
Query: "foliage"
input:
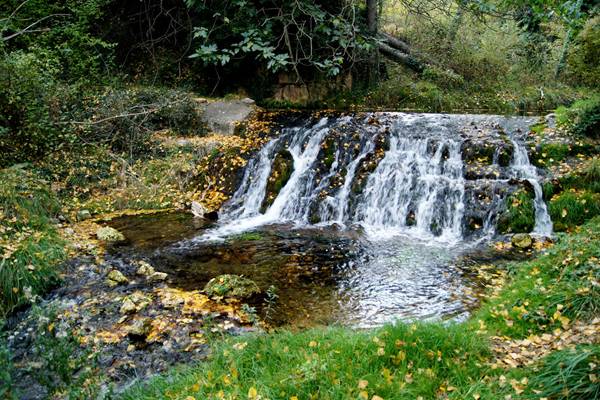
column 572, row 208
column 281, row 35
column 6, row 379
column 125, row 118
column 31, row 247
column 584, row 66
column 66, row 33
column 586, row 117
column 31, row 107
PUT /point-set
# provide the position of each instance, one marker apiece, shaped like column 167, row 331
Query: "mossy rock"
column 231, row 286
column 519, row 216
column 281, row 171
column 109, row 235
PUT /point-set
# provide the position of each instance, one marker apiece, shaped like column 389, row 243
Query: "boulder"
column 109, row 235
column 231, row 286
column 522, row 241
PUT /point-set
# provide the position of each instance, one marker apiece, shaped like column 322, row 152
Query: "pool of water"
column 321, row 275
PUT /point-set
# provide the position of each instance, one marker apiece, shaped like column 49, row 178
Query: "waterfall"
column 388, row 173
column 523, row 169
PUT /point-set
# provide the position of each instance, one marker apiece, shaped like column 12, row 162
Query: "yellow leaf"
column 363, row 395
column 252, row 393
column 563, row 212
column 363, row 384
column 375, row 397
column 312, row 344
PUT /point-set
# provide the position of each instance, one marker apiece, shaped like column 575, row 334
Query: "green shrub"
column 583, row 117
column 31, row 247
column 30, row 107
column 584, row 59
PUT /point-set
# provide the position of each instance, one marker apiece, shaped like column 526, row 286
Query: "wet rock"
column 522, row 241
column 202, row 212
column 82, row 215
column 157, row 277
column 281, row 170
column 115, row 278
column 231, row 286
column 140, row 328
column 149, row 273
column 145, row 269
column 135, row 302
column 109, row 235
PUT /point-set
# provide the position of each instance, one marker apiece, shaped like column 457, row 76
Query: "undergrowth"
column 31, row 247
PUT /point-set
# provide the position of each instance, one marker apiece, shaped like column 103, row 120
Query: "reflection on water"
column 322, row 275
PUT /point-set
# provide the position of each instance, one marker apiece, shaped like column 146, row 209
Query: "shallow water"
column 322, row 276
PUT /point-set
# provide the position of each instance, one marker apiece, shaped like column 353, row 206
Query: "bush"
column 30, row 107
column 583, row 117
column 584, row 59
column 31, row 247
column 126, row 118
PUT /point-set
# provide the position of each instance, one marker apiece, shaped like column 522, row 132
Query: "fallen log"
column 401, row 57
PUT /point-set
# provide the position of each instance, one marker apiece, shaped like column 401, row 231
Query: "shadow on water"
column 322, row 275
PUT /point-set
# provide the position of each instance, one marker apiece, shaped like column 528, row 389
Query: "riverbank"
column 67, row 198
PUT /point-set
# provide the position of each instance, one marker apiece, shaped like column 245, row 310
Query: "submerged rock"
column 231, row 286
column 522, row 241
column 109, row 235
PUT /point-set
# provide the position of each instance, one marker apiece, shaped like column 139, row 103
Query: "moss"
column 519, row 216
column 231, row 286
column 281, row 171
column 248, row 236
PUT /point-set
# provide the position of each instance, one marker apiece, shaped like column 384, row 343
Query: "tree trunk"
column 401, row 57
column 372, row 16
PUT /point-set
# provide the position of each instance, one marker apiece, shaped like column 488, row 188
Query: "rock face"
column 282, row 169
column 109, row 235
column 521, row 241
column 225, row 117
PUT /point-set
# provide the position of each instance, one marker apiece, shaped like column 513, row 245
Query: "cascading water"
column 524, row 170
column 390, row 173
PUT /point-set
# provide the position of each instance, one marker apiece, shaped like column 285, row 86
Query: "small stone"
column 157, row 277
column 140, row 327
column 110, row 235
column 522, row 241
column 69, row 231
column 145, row 269
column 82, row 215
column 115, row 278
column 128, row 307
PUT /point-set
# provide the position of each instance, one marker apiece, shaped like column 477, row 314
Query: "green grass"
column 570, row 374
column 405, row 361
column 31, row 247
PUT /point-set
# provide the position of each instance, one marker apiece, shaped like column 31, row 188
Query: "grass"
column 31, row 247
column 570, row 374
column 412, row 361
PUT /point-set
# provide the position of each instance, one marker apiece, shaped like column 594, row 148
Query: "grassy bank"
column 31, row 247
column 554, row 294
